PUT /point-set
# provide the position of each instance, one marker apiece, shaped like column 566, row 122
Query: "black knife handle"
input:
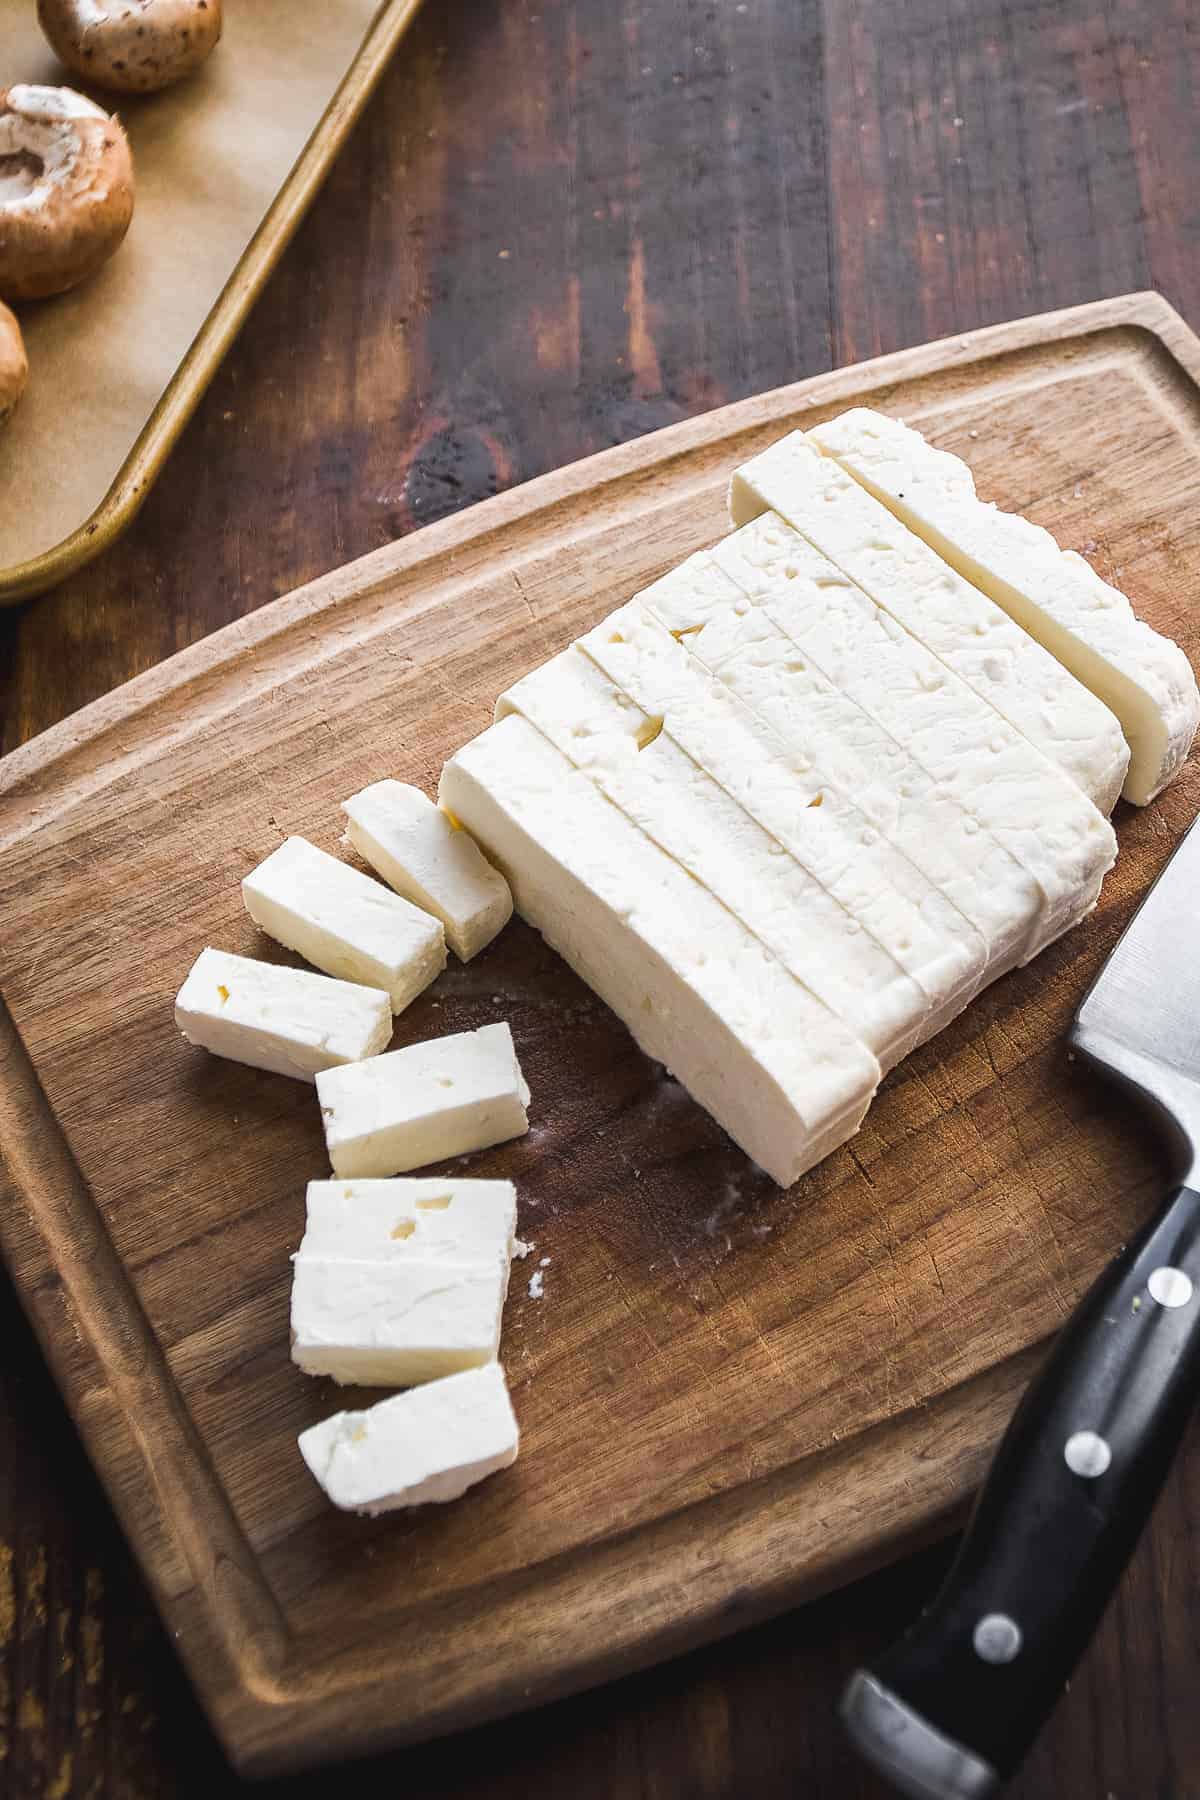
column 952, row 1709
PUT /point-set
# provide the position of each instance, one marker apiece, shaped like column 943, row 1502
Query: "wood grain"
column 525, row 128
column 729, row 1396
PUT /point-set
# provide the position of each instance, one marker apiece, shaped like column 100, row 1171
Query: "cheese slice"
column 833, row 740
column 441, row 1220
column 781, row 1073
column 283, row 1020
column 427, row 858
column 972, row 637
column 431, row 1444
column 1022, row 798
column 393, row 1323
column 424, row 1103
column 637, row 764
column 827, row 834
column 343, row 922
column 1053, row 594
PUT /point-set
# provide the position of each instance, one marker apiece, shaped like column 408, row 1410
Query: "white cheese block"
column 786, row 1079
column 636, row 763
column 393, row 1323
column 1054, row 594
column 284, row 1020
column 1024, row 799
column 827, row 834
column 426, row 857
column 343, row 922
column 419, row 1105
column 925, row 597
column 440, row 1220
column 829, row 738
column 431, row 1444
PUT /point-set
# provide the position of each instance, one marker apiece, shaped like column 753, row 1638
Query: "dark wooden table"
column 560, row 225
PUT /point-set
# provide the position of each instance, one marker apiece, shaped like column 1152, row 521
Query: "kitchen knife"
column 950, row 1712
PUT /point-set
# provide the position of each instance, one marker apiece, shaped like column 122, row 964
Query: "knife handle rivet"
column 997, row 1638
column 1170, row 1287
column 1087, row 1454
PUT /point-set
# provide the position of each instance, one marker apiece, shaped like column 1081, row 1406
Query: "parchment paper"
column 209, row 157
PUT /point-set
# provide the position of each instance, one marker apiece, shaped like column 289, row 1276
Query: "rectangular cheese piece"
column 419, row 1105
column 390, row 1324
column 1015, row 792
column 781, row 1073
column 636, row 763
column 431, row 1444
column 412, row 1220
column 343, row 922
column 926, row 598
column 835, row 742
column 889, row 898
column 284, row 1020
column 1053, row 594
column 426, row 857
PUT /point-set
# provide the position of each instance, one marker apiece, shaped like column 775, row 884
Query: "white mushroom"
column 14, row 370
column 66, row 190
column 134, row 46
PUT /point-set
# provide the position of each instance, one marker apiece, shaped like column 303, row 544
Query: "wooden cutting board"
column 730, row 1397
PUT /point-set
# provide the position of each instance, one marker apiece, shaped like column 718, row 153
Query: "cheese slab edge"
column 1054, row 594
column 974, row 638
column 780, row 1073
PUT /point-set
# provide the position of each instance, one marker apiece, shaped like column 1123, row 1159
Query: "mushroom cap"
column 134, row 46
column 14, row 370
column 66, row 190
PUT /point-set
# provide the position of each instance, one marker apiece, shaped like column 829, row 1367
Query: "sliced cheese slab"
column 343, row 922
column 428, row 1445
column 835, row 742
column 283, row 1020
column 971, row 636
column 430, row 861
column 637, row 764
column 393, row 1323
column 444, row 1220
column 426, row 1102
column 781, row 1073
column 1022, row 798
column 1053, row 594
column 828, row 835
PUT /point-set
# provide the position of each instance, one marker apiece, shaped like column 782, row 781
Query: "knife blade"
column 950, row 1711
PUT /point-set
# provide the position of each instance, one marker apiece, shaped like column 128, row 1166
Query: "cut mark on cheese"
column 223, row 991
column 816, row 800
column 405, row 1228
column 647, row 732
column 436, row 1203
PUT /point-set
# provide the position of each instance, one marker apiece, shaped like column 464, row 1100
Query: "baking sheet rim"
column 181, row 396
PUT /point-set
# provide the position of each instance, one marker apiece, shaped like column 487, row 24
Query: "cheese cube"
column 424, row 1103
column 1054, row 594
column 927, row 599
column 781, row 1073
column 343, row 922
column 284, row 1020
column 430, row 860
column 431, row 1444
column 431, row 1221
column 389, row 1324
